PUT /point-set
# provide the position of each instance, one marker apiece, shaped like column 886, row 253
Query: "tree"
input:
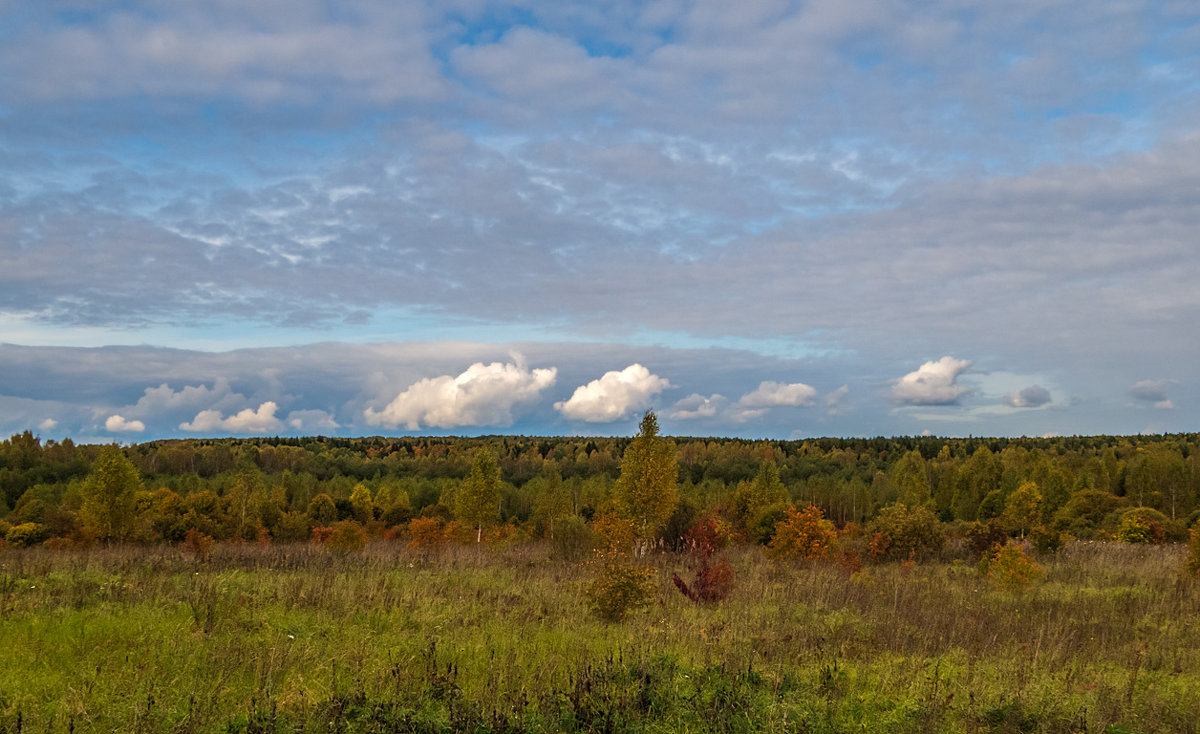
column 647, row 485
column 910, row 477
column 1023, row 508
column 108, row 511
column 477, row 501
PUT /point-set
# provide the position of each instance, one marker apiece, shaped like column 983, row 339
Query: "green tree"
column 1023, row 508
column 477, row 501
column 910, row 477
column 647, row 488
column 108, row 511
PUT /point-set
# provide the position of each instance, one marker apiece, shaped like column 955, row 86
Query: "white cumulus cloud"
column 118, row 424
column 933, row 383
column 483, row 395
column 696, row 406
column 613, row 396
column 262, row 420
column 769, row 395
column 47, row 424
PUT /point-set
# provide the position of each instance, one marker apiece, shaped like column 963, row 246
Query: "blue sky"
column 764, row 218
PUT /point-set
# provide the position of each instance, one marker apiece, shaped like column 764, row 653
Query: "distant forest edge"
column 290, row 489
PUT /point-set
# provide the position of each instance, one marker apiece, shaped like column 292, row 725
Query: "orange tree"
column 802, row 533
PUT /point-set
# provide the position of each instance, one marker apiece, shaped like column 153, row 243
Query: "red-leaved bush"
column 714, row 579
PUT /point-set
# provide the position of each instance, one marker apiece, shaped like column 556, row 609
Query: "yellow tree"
column 108, row 510
column 477, row 501
column 647, row 488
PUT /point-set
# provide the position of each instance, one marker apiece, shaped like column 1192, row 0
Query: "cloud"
column 696, row 406
column 260, row 421
column 162, row 399
column 311, row 420
column 1154, row 392
column 117, row 424
column 933, row 383
column 613, row 396
column 769, row 395
column 483, row 395
column 47, row 424
column 833, row 400
column 1033, row 396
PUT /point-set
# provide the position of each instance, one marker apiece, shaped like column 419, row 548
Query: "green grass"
column 296, row 638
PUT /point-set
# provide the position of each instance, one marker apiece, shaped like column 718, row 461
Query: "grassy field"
column 299, row 638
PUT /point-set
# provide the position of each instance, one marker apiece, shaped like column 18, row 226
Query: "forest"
column 281, row 488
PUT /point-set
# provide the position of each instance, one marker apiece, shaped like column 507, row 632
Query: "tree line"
column 283, row 488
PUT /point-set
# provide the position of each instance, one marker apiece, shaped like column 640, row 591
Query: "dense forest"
column 282, row 488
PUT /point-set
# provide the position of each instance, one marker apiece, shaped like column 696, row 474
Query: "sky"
column 769, row 218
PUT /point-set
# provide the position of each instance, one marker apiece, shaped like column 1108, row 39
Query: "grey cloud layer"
column 876, row 182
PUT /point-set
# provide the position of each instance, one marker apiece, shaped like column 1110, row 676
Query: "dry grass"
column 301, row 638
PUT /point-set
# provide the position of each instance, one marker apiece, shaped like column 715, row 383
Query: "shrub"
column 425, row 533
column 1045, row 540
column 901, row 532
column 321, row 533
column 982, row 537
column 26, row 534
column 198, row 544
column 803, row 534
column 619, row 587
column 1011, row 567
column 1142, row 525
column 763, row 529
column 1193, row 559
column 614, row 532
column 714, row 582
column 709, row 535
column 347, row 536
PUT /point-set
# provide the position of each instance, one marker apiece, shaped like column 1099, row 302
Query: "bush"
column 1142, row 525
column 1045, row 540
column 425, row 533
column 1193, row 559
column 802, row 534
column 901, row 532
column 198, row 544
column 619, row 587
column 982, row 537
column 1011, row 567
column 347, row 536
column 714, row 582
column 709, row 535
column 26, row 534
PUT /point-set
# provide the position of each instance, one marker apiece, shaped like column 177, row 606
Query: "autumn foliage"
column 803, row 534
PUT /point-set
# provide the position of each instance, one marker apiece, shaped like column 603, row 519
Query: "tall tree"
column 108, row 510
column 647, row 485
column 477, row 501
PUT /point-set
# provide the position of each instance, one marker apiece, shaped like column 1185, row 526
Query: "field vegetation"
column 644, row 584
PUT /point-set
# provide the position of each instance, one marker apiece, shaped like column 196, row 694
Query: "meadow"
column 300, row 637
